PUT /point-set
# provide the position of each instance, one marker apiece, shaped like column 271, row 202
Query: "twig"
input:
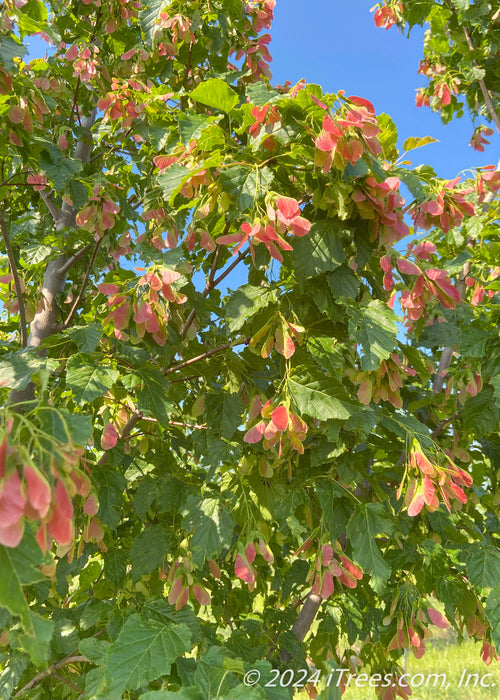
column 185, row 379
column 231, row 267
column 78, row 299
column 208, row 287
column 206, row 355
column 212, row 283
column 73, row 106
column 67, row 265
column 444, row 424
column 127, row 429
column 70, row 659
column 66, row 681
column 482, row 84
column 17, row 281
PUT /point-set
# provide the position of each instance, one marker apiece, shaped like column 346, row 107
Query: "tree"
column 198, row 481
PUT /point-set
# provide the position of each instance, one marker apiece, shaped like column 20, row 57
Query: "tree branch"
column 127, row 429
column 71, row 261
column 482, row 84
column 304, row 620
column 51, row 206
column 70, row 659
column 212, row 283
column 78, row 299
column 206, row 355
column 17, row 281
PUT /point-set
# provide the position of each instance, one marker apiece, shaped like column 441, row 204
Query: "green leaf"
column 11, row 590
column 366, row 523
column 493, row 614
column 417, row 142
column 407, row 428
column 32, row 255
column 67, row 427
column 94, row 649
column 86, row 338
column 327, row 353
column 17, row 369
column 412, row 182
column 172, row 179
column 9, row 50
column 480, row 415
column 38, row 644
column 241, row 183
column 343, row 283
column 334, row 513
column 440, row 335
column 59, row 169
column 149, row 550
column 260, row 93
column 11, row 674
column 26, row 558
column 373, row 326
column 212, row 527
column 388, row 136
column 483, row 565
column 320, row 251
column 111, row 485
column 210, row 676
column 245, row 303
column 149, row 14
column 191, row 126
column 323, row 398
column 143, row 651
column 495, row 383
column 88, row 381
column 216, row 93
column 115, row 566
column 224, row 411
column 152, row 395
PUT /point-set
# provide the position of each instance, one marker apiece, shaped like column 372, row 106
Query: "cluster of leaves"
column 205, row 457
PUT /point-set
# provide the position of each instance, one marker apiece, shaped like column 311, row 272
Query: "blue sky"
column 335, row 43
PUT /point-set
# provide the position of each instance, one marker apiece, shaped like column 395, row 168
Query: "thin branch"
column 208, row 287
column 213, row 269
column 231, row 267
column 17, row 281
column 186, row 379
column 444, row 424
column 66, row 681
column 84, row 284
column 485, row 92
column 127, row 429
column 73, row 106
column 206, row 355
column 70, row 659
column 67, row 265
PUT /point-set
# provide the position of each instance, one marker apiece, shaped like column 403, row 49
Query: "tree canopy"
column 250, row 361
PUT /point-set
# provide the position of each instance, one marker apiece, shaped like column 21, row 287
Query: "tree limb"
column 70, row 659
column 304, row 620
column 17, row 281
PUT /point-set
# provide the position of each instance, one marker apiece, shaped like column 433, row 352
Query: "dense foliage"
column 251, row 396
